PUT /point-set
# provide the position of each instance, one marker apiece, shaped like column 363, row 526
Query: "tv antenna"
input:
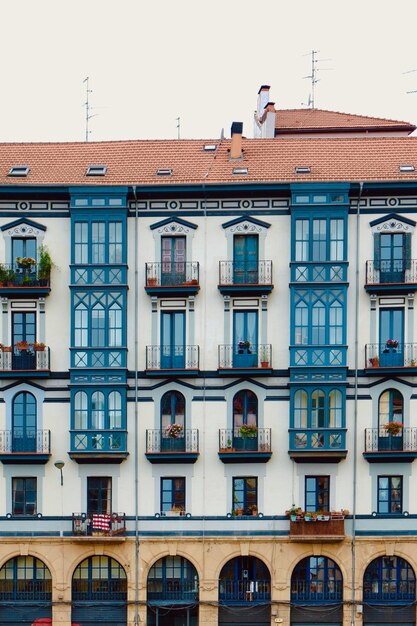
column 313, row 76
column 88, row 107
column 178, row 127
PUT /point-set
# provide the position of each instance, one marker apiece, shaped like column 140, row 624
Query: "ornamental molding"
column 173, row 229
column 393, row 225
column 24, row 230
column 246, row 227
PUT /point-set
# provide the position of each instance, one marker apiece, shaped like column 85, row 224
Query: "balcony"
column 98, row 446
column 172, row 360
column 98, row 524
column 25, row 446
column 176, row 279
column 383, row 447
column 313, row 529
column 239, row 278
column 390, row 277
column 234, row 447
column 244, row 591
column 317, row 445
column 381, row 359
column 238, row 359
column 21, row 282
column 163, row 448
column 24, row 360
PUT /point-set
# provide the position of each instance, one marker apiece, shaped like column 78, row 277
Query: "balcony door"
column 173, row 260
column 24, row 423
column 245, row 257
column 172, row 422
column 23, row 329
column 99, row 495
column 245, row 418
column 245, row 339
column 390, row 411
column 173, row 340
column 391, row 327
column 392, row 258
column 23, row 247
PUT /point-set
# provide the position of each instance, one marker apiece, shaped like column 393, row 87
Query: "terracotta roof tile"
column 313, row 119
column 267, row 160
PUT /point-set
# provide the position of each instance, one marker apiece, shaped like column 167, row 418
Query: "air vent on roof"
column 164, row 172
column 240, row 170
column 210, row 147
column 407, row 168
column 19, row 170
column 96, row 170
column 303, row 169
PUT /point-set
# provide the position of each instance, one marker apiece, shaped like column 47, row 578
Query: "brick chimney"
column 236, row 145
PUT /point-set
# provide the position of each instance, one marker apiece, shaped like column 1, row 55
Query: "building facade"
column 208, row 375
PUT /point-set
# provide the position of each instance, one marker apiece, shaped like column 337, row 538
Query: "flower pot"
column 265, row 364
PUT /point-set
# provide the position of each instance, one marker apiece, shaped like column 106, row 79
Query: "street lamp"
column 59, row 465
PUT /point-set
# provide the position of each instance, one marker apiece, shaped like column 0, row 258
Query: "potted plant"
column 38, row 346
column 374, row 361
column 248, row 430
column 7, row 348
column 152, row 281
column 45, row 265
column 25, row 262
column 294, row 512
column 22, row 345
column 308, row 517
column 264, row 358
column 253, row 509
column 244, row 347
column 174, row 431
column 393, row 428
column 392, row 343
column 10, row 278
column 3, row 274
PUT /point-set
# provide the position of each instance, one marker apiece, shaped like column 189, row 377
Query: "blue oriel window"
column 390, row 494
column 98, row 319
column 319, row 317
column 98, row 410
column 317, row 490
column 318, row 408
column 98, row 242
column 319, row 239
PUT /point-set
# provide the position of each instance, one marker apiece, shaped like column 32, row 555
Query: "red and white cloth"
column 101, row 522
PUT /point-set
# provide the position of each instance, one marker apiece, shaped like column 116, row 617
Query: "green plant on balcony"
column 393, row 428
column 25, row 262
column 374, row 361
column 3, row 274
column 248, row 430
column 22, row 345
column 38, row 346
column 244, row 347
column 45, row 263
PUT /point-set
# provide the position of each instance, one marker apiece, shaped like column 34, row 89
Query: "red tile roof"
column 267, row 160
column 312, row 120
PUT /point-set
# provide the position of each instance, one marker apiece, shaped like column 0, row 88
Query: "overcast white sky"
column 150, row 62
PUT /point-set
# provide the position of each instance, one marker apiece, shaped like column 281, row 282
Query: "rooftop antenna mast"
column 313, row 76
column 178, row 127
column 88, row 108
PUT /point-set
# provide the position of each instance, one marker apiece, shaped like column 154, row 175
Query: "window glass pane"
column 317, row 409
column 81, row 326
column 115, row 325
column 319, row 240
column 81, row 242
column 336, row 240
column 301, row 323
column 80, row 410
column 98, row 242
column 318, row 330
column 300, row 409
column 115, row 410
column 302, row 228
column 97, row 326
column 97, row 410
column 115, row 242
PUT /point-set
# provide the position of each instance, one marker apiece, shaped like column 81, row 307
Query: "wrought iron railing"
column 26, row 590
column 391, row 272
column 159, row 441
column 25, row 440
column 98, row 524
column 172, row 357
column 232, row 440
column 106, row 440
column 316, row 591
column 381, row 440
column 244, row 590
column 13, row 358
column 90, row 590
column 172, row 274
column 173, row 589
column 241, row 273
column 237, row 356
column 317, row 439
column 32, row 276
column 383, row 355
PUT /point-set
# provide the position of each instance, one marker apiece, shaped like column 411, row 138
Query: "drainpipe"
column 355, row 413
column 136, row 428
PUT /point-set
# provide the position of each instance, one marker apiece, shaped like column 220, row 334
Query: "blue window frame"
column 390, row 409
column 319, row 317
column 24, row 496
column 99, row 410
column 389, row 579
column 173, row 339
column 99, row 578
column 317, row 493
column 391, row 326
column 173, row 255
column 99, row 492
column 318, row 408
column 244, row 579
column 392, row 256
column 99, row 319
column 24, row 247
column 245, row 259
column 98, row 242
column 319, row 239
column 173, row 494
column 172, row 409
column 390, row 495
column 25, row 578
column 24, row 422
column 245, row 493
column 245, row 338
column 173, row 578
column 316, row 579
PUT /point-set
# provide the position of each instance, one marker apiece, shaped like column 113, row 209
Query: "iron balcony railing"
column 15, row 358
column 245, row 273
column 317, row 591
column 172, row 274
column 25, row 440
column 176, row 589
column 317, row 439
column 244, row 590
column 396, row 271
column 238, row 356
column 384, row 355
column 26, row 590
column 105, row 440
column 172, row 357
column 159, row 441
column 232, row 440
column 84, row 524
column 380, row 440
column 12, row 275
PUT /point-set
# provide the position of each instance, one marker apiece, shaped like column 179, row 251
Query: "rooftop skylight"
column 407, row 168
column 303, row 169
column 164, row 172
column 19, row 170
column 96, row 170
column 210, row 147
column 240, row 170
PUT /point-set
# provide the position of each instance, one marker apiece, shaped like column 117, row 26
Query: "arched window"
column 391, row 407
column 97, row 411
column 244, row 579
column 316, row 579
column 24, row 423
column 115, row 410
column 318, row 414
column 172, row 409
column 173, row 578
column 25, row 581
column 336, row 323
column 301, row 323
column 335, row 409
column 80, row 411
column 245, row 409
column 389, row 579
column 300, row 409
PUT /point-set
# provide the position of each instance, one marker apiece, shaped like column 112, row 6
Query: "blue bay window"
column 98, row 242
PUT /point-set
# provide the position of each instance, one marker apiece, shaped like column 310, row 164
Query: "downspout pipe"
column 136, row 417
column 355, row 412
